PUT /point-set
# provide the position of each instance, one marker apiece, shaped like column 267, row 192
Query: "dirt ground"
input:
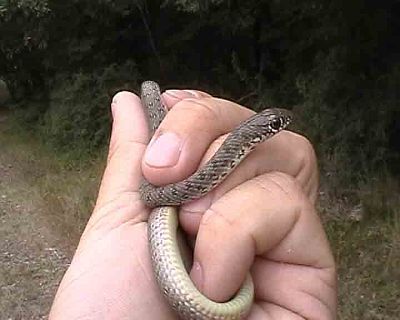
column 32, row 258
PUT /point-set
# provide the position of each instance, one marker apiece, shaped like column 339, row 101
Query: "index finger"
column 192, row 125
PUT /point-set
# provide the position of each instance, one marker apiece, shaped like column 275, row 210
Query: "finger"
column 128, row 141
column 193, row 124
column 268, row 216
column 185, row 134
column 286, row 152
column 293, row 286
column 128, row 138
column 172, row 97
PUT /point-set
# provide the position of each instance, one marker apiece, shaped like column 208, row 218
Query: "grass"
column 363, row 224
column 64, row 189
column 45, row 201
column 368, row 254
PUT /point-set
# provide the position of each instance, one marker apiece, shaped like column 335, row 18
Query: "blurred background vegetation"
column 335, row 63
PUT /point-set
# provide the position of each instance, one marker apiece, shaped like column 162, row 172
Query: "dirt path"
column 32, row 257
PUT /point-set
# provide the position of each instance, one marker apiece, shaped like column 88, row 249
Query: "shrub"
column 78, row 115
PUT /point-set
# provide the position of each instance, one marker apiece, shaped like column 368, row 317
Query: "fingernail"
column 197, row 275
column 180, row 94
column 164, row 151
column 114, row 104
column 194, row 93
column 114, row 100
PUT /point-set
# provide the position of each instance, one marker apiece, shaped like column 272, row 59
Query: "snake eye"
column 276, row 124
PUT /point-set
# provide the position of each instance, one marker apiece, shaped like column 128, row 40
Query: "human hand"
column 262, row 218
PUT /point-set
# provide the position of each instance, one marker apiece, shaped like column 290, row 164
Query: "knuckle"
column 203, row 108
column 287, row 187
column 305, row 154
column 215, row 219
column 119, row 148
column 126, row 207
column 279, row 182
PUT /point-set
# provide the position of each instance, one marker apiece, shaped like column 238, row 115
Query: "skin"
column 262, row 218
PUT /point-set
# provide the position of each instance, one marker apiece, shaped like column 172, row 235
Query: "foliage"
column 23, row 41
column 78, row 115
column 334, row 62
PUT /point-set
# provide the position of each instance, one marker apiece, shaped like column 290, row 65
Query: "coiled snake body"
column 168, row 265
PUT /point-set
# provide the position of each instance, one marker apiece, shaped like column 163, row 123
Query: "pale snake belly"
column 166, row 259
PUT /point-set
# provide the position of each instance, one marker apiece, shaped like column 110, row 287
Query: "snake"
column 169, row 267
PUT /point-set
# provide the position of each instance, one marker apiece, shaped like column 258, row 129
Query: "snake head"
column 263, row 125
column 275, row 120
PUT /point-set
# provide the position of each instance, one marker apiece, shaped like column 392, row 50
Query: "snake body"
column 169, row 268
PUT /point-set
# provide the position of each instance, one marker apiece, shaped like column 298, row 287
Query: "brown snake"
column 167, row 262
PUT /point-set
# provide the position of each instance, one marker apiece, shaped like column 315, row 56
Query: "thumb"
column 129, row 137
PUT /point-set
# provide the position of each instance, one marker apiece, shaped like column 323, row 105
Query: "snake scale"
column 166, row 259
